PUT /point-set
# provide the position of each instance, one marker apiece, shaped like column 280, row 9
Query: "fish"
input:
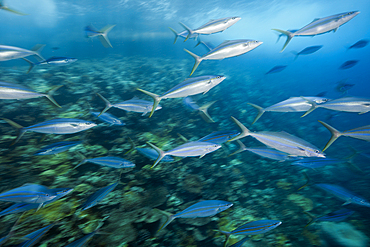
column 240, row 243
column 4, row 7
column 10, row 90
column 307, row 51
column 153, row 155
column 108, row 118
column 212, row 26
column 359, row 44
column 207, row 208
column 109, row 161
column 57, row 148
column 316, row 162
column 281, row 141
column 229, row 48
column 348, row 64
column 335, row 216
column 102, row 34
column 22, row 207
column 135, row 104
column 98, row 196
column 12, row 52
column 34, row 237
column 276, row 69
column 61, row 126
column 183, row 34
column 55, row 61
column 344, row 87
column 268, row 153
column 362, row 133
column 344, row 194
column 189, row 149
column 346, row 104
column 293, row 104
column 190, row 86
column 319, row 26
column 219, row 137
column 203, row 110
column 253, row 228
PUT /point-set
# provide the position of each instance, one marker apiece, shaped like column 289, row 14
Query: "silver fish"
column 135, row 104
column 183, row 34
column 203, row 110
column 190, row 86
column 189, row 149
column 108, row 118
column 102, row 34
column 59, row 126
column 293, row 104
column 347, row 104
column 362, row 133
column 319, row 26
column 213, row 26
column 281, row 141
column 15, row 91
column 109, row 161
column 12, row 52
column 229, row 48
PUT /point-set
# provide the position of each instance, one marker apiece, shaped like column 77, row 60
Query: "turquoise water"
column 144, row 56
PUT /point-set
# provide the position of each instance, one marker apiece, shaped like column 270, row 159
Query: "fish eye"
column 233, row 18
column 218, row 77
column 317, row 151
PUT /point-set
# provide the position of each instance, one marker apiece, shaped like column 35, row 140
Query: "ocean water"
column 144, row 55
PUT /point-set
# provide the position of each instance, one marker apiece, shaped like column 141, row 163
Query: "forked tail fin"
column 313, row 106
column 49, row 95
column 20, row 128
column 197, row 60
column 242, row 148
column 161, row 155
column 176, row 34
column 289, row 36
column 190, row 32
column 260, row 111
column 334, row 134
column 203, row 110
column 37, row 50
column 104, row 36
column 156, row 99
column 170, row 218
column 245, row 131
column 108, row 105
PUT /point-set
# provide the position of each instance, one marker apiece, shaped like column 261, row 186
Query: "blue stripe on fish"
column 98, row 196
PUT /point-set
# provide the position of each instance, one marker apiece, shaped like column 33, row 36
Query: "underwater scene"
column 185, row 123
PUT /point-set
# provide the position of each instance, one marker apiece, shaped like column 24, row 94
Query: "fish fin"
column 242, row 148
column 49, row 95
column 197, row 61
column 132, row 146
column 170, row 218
column 190, row 32
column 83, row 160
column 312, row 220
column 176, row 35
column 37, row 49
column 108, row 105
column 161, row 154
column 334, row 134
column 260, row 111
column 104, row 36
column 306, row 184
column 227, row 234
column 202, row 156
column 203, row 110
column 182, row 137
column 335, row 29
column 313, row 106
column 30, row 63
column 289, row 35
column 12, row 10
column 17, row 126
column 241, row 242
column 296, row 55
column 346, row 203
column 362, row 112
column 245, row 131
column 156, row 99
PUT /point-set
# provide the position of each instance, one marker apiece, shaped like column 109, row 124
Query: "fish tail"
column 260, row 111
column 155, row 97
column 203, row 110
column 37, row 50
column 245, row 131
column 108, row 105
column 334, row 134
column 312, row 220
column 182, row 137
column 289, row 35
column 308, row 181
column 313, row 106
column 104, row 36
column 161, row 155
column 242, row 147
column 12, row 10
column 197, row 60
column 170, row 218
column 83, row 160
column 17, row 126
column 227, row 234
column 296, row 55
column 30, row 63
column 132, row 146
column 176, row 34
column 49, row 95
column 190, row 32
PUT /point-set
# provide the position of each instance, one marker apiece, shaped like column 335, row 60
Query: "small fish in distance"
column 348, row 64
column 109, row 161
column 108, row 118
column 102, row 34
column 276, row 69
column 359, row 44
column 57, row 147
column 54, row 61
column 307, row 51
column 319, row 26
column 98, row 196
column 335, row 216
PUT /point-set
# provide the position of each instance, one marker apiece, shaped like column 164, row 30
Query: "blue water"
column 144, row 56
